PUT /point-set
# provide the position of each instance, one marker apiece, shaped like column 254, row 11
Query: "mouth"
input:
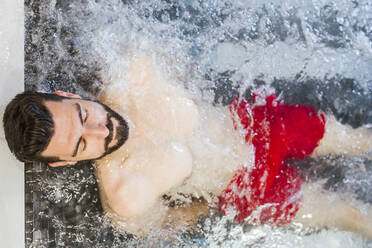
column 110, row 136
column 118, row 131
column 114, row 126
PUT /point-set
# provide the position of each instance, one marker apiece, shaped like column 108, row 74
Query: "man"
column 61, row 129
column 164, row 142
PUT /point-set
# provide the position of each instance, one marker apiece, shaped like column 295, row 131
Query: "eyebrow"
column 78, row 108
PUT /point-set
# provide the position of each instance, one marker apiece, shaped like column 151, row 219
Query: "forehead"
column 62, row 110
column 55, row 107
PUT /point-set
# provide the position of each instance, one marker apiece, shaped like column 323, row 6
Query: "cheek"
column 98, row 115
column 95, row 147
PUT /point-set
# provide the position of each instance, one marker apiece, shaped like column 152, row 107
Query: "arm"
column 343, row 139
column 169, row 220
column 143, row 74
column 185, row 216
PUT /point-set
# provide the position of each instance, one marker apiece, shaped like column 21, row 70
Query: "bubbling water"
column 215, row 50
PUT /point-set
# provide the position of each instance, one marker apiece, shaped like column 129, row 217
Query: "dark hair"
column 29, row 126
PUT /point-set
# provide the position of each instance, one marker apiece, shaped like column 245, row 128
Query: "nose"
column 98, row 131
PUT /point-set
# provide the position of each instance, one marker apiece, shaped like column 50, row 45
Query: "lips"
column 114, row 126
column 118, row 130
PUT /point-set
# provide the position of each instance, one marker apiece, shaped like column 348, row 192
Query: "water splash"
column 209, row 47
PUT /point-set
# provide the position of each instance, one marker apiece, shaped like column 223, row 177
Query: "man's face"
column 83, row 130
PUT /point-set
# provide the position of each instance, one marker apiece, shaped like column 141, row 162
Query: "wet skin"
column 131, row 188
column 83, row 130
column 161, row 155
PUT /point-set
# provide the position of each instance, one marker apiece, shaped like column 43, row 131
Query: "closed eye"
column 81, row 139
column 84, row 142
column 78, row 106
column 86, row 115
column 83, row 118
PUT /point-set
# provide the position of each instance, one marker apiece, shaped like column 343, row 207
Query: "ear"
column 62, row 163
column 66, row 94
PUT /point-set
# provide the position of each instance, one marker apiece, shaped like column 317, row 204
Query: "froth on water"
column 213, row 51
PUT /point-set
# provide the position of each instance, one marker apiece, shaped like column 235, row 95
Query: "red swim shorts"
column 268, row 192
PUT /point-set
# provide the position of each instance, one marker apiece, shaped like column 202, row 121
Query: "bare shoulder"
column 131, row 184
column 123, row 191
column 148, row 74
column 141, row 70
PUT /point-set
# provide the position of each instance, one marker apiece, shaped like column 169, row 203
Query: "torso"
column 201, row 148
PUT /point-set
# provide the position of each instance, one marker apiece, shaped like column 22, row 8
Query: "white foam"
column 110, row 32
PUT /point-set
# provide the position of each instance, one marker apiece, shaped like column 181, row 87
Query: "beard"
column 122, row 131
